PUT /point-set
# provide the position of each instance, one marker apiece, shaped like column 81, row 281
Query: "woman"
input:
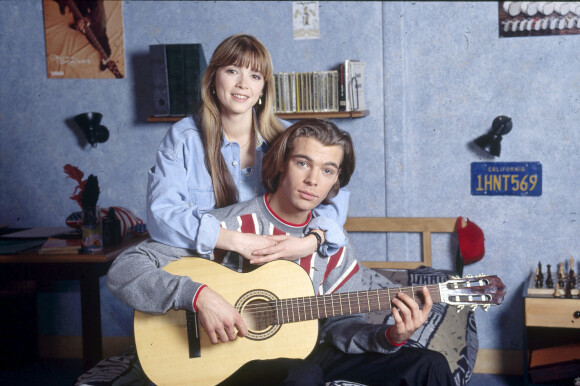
column 215, row 160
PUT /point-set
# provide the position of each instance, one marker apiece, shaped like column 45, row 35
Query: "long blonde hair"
column 243, row 51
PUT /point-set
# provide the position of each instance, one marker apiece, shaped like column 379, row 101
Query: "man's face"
column 308, row 175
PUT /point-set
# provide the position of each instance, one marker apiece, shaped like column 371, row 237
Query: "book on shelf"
column 61, row 246
column 354, row 81
column 176, row 71
column 287, row 92
column 315, row 91
column 194, row 66
column 341, row 89
column 159, row 82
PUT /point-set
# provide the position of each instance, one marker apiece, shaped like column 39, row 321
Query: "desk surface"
column 108, row 254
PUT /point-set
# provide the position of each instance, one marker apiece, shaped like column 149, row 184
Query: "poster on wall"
column 305, row 20
column 84, row 39
column 538, row 18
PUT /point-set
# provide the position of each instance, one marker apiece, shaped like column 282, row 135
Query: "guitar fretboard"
column 348, row 303
column 472, row 291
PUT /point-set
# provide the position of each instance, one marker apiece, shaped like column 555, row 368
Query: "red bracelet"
column 196, row 295
column 390, row 341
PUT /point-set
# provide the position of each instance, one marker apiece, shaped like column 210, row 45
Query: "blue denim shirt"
column 180, row 192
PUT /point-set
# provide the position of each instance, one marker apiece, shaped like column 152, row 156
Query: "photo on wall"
column 84, row 39
column 538, row 18
column 306, row 20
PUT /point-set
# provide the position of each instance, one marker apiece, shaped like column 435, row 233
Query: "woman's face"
column 238, row 89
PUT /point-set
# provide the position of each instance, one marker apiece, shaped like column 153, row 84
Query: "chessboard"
column 549, row 292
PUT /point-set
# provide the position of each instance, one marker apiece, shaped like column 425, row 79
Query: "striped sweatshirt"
column 136, row 279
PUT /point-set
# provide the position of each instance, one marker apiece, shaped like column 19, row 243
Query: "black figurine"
column 549, row 281
column 568, row 291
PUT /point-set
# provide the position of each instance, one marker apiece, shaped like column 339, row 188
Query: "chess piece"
column 549, row 281
column 557, row 291
column 540, row 276
column 572, row 274
column 568, row 291
column 561, row 274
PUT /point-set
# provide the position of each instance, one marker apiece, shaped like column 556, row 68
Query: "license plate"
column 506, row 179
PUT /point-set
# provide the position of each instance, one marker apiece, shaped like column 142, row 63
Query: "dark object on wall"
column 491, row 142
column 176, row 71
column 90, row 123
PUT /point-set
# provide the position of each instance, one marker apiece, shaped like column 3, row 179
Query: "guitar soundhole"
column 257, row 309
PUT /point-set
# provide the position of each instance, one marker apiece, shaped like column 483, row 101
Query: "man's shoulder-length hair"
column 327, row 133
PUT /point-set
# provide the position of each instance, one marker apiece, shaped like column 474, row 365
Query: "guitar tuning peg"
column 485, row 307
column 473, row 307
column 481, row 275
column 456, row 277
column 469, row 276
column 459, row 308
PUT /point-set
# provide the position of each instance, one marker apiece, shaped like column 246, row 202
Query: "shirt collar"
column 281, row 219
column 261, row 143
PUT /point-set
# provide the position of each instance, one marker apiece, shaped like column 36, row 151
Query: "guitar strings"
column 330, row 302
column 293, row 310
column 340, row 296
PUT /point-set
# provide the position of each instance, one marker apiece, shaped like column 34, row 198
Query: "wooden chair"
column 423, row 225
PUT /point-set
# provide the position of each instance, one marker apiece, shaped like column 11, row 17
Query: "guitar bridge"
column 193, row 334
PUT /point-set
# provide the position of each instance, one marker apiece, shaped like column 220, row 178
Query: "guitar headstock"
column 112, row 66
column 473, row 291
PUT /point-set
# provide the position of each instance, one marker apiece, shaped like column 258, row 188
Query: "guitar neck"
column 347, row 303
column 87, row 31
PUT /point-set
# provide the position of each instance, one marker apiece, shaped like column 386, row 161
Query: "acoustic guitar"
column 278, row 305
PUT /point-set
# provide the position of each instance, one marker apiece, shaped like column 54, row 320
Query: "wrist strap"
column 318, row 239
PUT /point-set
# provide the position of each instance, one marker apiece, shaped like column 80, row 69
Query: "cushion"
column 447, row 331
column 129, row 221
column 120, row 370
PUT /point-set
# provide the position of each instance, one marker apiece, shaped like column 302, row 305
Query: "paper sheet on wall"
column 305, row 20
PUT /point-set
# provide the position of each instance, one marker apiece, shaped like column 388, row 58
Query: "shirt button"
column 234, row 163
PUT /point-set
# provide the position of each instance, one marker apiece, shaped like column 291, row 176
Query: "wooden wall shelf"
column 327, row 115
column 290, row 116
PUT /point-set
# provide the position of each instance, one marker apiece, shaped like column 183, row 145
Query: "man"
column 306, row 165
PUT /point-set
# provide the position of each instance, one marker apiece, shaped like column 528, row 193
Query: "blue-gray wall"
column 437, row 75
